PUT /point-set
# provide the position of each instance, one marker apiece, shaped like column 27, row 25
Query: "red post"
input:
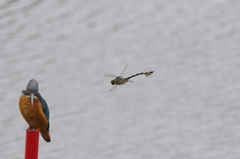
column 32, row 140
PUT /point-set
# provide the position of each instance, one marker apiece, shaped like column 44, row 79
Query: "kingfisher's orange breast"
column 33, row 114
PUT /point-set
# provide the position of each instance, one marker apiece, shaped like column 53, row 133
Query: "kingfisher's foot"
column 32, row 129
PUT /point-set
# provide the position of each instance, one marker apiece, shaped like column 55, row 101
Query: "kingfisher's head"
column 32, row 88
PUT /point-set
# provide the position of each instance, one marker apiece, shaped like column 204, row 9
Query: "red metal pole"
column 32, row 140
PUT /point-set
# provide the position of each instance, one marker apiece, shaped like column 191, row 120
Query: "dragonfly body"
column 142, row 73
column 119, row 80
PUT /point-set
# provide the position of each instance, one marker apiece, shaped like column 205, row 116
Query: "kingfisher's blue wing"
column 44, row 107
column 25, row 92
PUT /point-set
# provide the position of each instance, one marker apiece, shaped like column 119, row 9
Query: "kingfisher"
column 34, row 109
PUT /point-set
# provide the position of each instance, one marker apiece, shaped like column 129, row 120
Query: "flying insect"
column 119, row 80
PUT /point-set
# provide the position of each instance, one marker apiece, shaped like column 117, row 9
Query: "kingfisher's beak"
column 32, row 98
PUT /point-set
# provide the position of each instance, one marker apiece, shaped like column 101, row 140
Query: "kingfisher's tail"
column 46, row 136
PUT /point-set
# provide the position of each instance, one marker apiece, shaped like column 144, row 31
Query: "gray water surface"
column 187, row 109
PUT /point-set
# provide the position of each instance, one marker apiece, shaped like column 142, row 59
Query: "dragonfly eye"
column 112, row 82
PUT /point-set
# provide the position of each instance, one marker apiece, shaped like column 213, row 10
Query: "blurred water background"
column 187, row 109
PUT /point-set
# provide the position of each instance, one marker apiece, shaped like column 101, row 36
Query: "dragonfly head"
column 113, row 82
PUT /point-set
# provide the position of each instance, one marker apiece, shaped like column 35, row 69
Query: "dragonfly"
column 119, row 80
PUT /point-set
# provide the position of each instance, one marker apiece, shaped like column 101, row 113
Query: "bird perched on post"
column 34, row 109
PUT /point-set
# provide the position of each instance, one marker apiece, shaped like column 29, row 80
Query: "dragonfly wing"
column 124, row 70
column 114, row 88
